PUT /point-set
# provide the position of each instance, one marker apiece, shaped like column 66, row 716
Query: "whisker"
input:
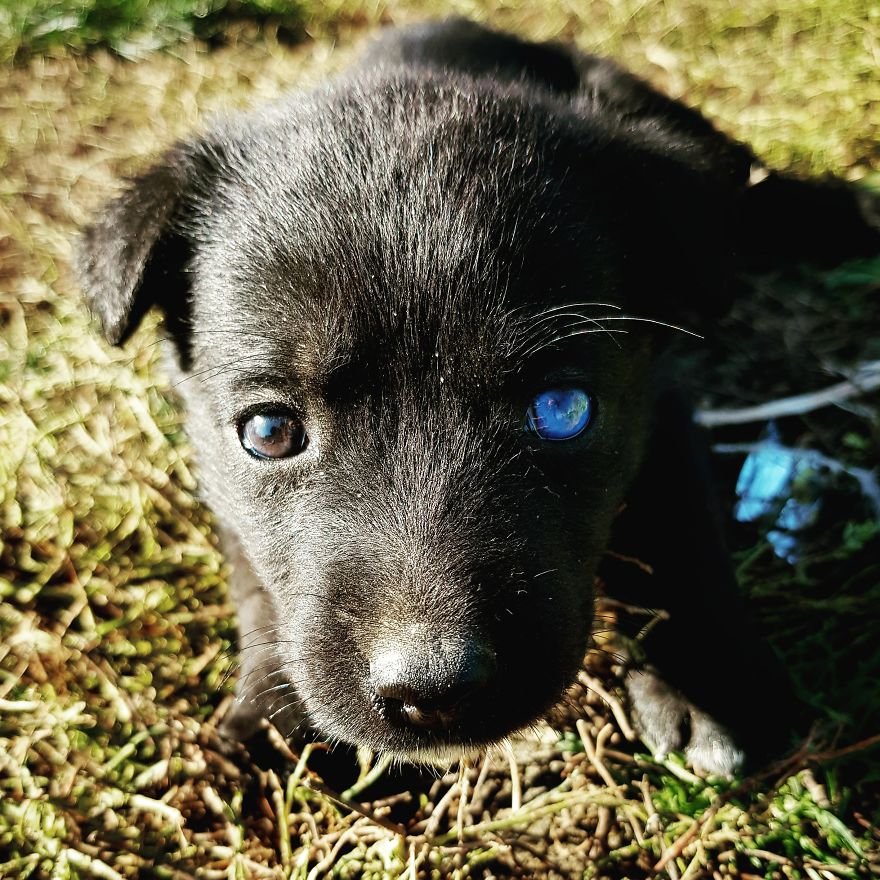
column 537, row 331
column 286, row 685
column 560, row 307
column 557, row 339
column 218, row 369
column 652, row 321
column 269, row 663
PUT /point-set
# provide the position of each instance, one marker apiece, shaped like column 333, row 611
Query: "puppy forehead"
column 372, row 315
column 361, row 335
column 357, row 232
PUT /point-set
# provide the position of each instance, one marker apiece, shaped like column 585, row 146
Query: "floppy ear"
column 707, row 207
column 677, row 180
column 679, row 202
column 134, row 255
column 705, row 212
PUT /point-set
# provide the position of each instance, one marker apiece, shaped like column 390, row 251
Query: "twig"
column 368, row 778
column 322, row 868
column 833, row 754
column 816, row 789
column 584, row 733
column 612, row 702
column 679, row 845
column 476, row 802
column 767, row 856
column 282, row 818
column 634, row 823
column 603, row 823
column 865, row 380
column 463, row 768
column 515, row 785
column 631, row 560
column 530, row 813
column 439, row 812
column 655, row 824
column 696, row 862
column 602, row 737
column 354, row 806
column 93, row 866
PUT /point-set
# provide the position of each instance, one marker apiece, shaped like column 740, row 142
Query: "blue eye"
column 272, row 435
column 560, row 413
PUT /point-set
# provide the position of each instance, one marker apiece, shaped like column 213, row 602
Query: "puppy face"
column 397, row 307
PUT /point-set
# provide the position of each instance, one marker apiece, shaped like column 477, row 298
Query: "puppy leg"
column 710, row 684
column 668, row 721
column 265, row 688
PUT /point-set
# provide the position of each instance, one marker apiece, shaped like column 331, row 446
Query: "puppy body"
column 400, row 262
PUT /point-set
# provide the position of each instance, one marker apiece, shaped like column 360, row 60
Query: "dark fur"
column 378, row 255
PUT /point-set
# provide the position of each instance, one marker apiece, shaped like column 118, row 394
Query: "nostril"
column 402, row 692
column 425, row 687
column 429, row 698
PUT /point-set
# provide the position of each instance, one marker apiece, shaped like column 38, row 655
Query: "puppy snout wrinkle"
column 426, row 684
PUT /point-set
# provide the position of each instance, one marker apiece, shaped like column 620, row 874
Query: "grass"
column 132, row 28
column 116, row 638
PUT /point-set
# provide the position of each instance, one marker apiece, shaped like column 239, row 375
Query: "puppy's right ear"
column 134, row 255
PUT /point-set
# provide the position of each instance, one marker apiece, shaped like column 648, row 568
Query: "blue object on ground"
column 782, row 486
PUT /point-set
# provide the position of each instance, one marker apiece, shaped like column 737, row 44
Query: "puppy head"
column 397, row 306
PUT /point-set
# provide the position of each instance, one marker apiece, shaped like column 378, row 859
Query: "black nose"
column 426, row 685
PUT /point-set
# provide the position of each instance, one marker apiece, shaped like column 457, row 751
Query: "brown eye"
column 274, row 434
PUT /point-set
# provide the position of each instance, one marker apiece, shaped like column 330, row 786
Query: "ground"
column 116, row 636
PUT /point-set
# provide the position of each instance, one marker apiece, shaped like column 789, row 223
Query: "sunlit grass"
column 116, row 631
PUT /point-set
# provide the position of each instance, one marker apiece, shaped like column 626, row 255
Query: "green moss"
column 132, row 28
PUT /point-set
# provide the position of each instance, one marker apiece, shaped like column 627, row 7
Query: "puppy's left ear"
column 702, row 206
column 135, row 253
column 708, row 215
column 679, row 215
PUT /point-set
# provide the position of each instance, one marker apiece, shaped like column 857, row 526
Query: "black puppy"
column 419, row 311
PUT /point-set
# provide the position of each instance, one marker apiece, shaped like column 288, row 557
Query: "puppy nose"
column 426, row 686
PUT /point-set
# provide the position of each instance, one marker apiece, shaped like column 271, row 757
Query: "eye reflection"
column 559, row 413
column 272, row 434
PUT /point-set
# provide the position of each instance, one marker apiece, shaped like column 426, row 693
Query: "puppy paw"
column 667, row 722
